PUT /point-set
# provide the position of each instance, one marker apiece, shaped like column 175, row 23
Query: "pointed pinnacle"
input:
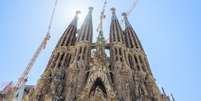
column 77, row 13
column 91, row 9
column 113, row 10
column 124, row 14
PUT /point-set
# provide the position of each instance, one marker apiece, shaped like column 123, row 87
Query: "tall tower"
column 52, row 82
column 119, row 64
column 144, row 87
column 80, row 70
column 77, row 72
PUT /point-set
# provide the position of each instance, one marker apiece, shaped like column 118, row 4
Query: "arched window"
column 98, row 84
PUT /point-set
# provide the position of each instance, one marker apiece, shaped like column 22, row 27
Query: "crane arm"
column 132, row 7
column 102, row 17
column 23, row 78
column 24, row 75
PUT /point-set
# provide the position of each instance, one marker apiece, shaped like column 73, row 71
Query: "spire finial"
column 91, row 9
column 125, row 17
column 77, row 13
column 74, row 21
column 113, row 10
column 124, row 14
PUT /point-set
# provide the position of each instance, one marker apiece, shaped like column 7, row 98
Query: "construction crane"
column 102, row 17
column 132, row 7
column 24, row 76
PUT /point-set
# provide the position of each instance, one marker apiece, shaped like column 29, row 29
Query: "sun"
column 70, row 7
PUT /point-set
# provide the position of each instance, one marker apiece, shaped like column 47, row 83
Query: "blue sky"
column 170, row 31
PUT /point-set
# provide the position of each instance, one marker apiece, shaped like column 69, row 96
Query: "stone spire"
column 119, row 64
column 132, row 41
column 84, row 39
column 144, row 87
column 53, row 76
column 69, row 39
column 139, row 60
column 116, row 34
column 86, row 30
column 77, row 72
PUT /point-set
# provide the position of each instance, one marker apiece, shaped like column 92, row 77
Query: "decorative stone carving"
column 97, row 77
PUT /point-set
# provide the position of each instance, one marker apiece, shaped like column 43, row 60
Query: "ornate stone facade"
column 80, row 70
